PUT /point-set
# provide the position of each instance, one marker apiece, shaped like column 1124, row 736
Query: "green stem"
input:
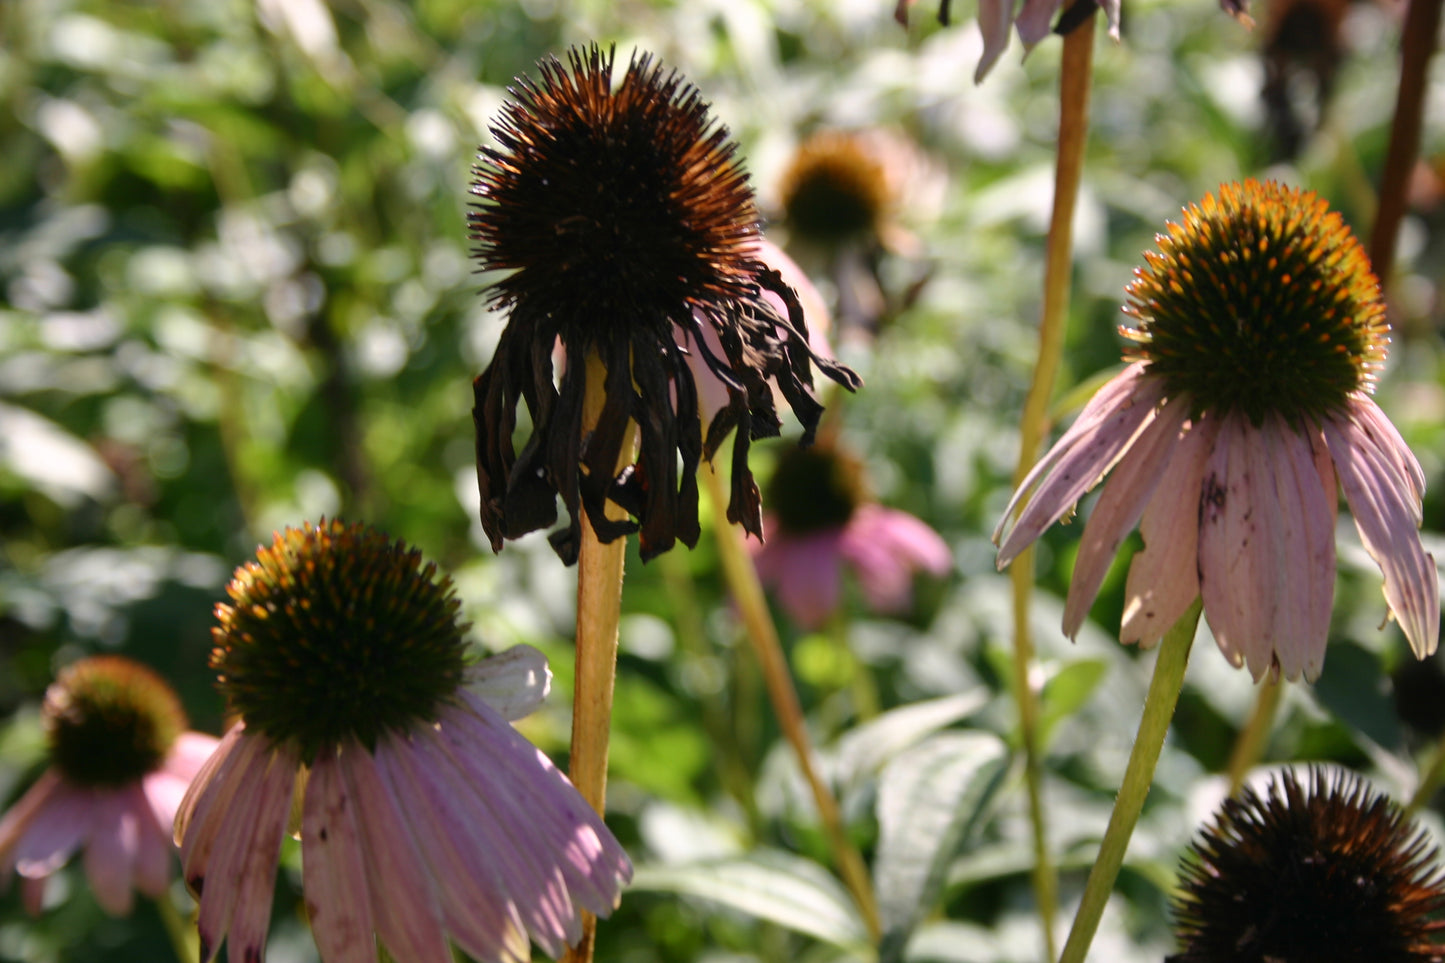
column 185, row 941
column 1074, row 81
column 742, row 578
column 1430, row 781
column 1250, row 744
column 1138, row 775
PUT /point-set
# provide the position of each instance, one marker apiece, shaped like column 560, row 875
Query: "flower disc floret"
column 109, row 721
column 1260, row 301
column 337, row 632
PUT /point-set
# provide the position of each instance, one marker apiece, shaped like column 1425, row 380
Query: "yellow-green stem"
column 742, row 578
column 1254, row 735
column 1138, row 775
column 185, row 941
column 1074, row 80
column 599, row 608
column 1430, row 781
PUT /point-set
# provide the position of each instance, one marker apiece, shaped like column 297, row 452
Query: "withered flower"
column 627, row 227
column 1332, row 871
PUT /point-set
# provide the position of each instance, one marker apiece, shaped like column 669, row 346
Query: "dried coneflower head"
column 1331, row 872
column 626, row 226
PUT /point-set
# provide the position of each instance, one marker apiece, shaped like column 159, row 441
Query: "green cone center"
column 1260, row 301
column 815, row 488
column 109, row 721
column 337, row 633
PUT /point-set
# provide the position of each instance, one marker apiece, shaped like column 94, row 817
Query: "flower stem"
column 1138, row 775
column 1074, row 80
column 1250, row 744
column 1430, row 781
column 599, row 608
column 184, row 939
column 1417, row 45
column 747, row 592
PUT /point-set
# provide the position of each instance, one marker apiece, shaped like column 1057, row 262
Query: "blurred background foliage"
column 235, row 295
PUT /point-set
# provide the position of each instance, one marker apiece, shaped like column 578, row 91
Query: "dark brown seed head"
column 109, row 721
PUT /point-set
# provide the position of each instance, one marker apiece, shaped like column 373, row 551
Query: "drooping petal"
column 1035, row 21
column 189, row 753
column 1372, row 420
column 1383, row 504
column 995, row 19
column 1130, row 487
column 886, row 547
column 55, row 832
column 1103, row 431
column 210, row 771
column 403, row 897
column 252, row 917
column 213, row 865
column 338, row 904
column 513, row 682
column 37, row 799
column 479, row 913
column 803, row 571
column 1304, row 570
column 1236, row 524
column 154, row 848
column 110, row 852
column 1164, row 578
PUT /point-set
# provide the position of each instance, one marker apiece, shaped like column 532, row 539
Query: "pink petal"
column 257, row 872
column 55, row 832
column 1368, row 416
column 333, row 872
column 1164, row 577
column 154, row 849
column 1236, row 519
column 164, row 791
column 995, row 17
column 1304, row 571
column 189, row 754
column 16, row 823
column 1128, row 490
column 803, row 572
column 209, row 772
column 513, row 682
column 1035, row 21
column 110, row 852
column 1102, row 432
column 479, row 912
column 403, row 896
column 1384, row 506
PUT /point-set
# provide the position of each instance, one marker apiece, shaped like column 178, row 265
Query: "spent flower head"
column 1325, row 872
column 626, row 227
column 425, row 817
column 1245, row 409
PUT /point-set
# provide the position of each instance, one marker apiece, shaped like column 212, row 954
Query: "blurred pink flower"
column 460, row 829
column 882, row 546
column 117, row 806
column 1231, row 440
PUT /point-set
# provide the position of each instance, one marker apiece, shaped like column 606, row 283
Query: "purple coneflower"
column 1329, row 872
column 628, row 231
column 120, row 762
column 1245, row 407
column 424, row 815
column 822, row 517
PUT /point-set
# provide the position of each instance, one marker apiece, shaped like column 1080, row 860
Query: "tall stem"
column 184, row 940
column 747, row 592
column 1074, row 80
column 1250, row 744
column 599, row 608
column 1417, row 43
column 1138, row 775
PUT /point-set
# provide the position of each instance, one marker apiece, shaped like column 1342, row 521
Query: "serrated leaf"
column 931, row 798
column 787, row 890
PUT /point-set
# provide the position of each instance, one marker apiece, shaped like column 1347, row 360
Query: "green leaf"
column 787, row 890
column 930, row 800
column 868, row 748
column 1066, row 692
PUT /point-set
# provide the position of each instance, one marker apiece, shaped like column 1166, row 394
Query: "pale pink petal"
column 55, row 832
column 1164, row 577
column 1235, row 516
column 479, row 913
column 995, row 18
column 208, row 773
column 1384, row 509
column 1111, row 13
column 154, row 849
column 804, row 573
column 903, row 536
column 513, row 682
column 1304, row 567
column 1130, row 486
column 1367, row 415
column 189, row 754
column 1103, row 431
column 256, row 880
column 527, row 869
column 403, row 897
column 1036, row 20
column 17, row 820
column 333, row 873
column 564, row 827
column 163, row 792
column 110, row 852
